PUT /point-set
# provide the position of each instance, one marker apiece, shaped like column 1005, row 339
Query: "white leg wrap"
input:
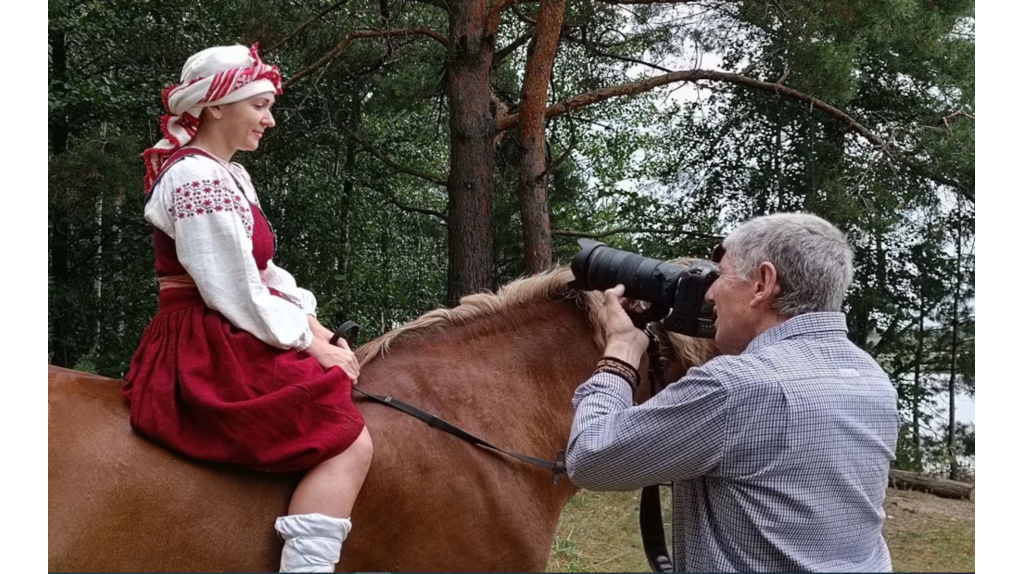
column 312, row 542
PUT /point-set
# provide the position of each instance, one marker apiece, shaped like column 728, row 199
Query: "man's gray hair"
column 813, row 260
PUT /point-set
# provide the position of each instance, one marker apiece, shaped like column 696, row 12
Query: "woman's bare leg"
column 317, row 522
column 331, row 487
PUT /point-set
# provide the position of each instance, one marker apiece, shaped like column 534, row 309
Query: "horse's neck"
column 510, row 375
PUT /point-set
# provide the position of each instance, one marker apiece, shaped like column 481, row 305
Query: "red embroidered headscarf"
column 215, row 76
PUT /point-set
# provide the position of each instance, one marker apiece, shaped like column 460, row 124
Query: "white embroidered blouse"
column 213, row 240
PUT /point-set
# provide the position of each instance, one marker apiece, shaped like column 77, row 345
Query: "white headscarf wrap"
column 215, row 76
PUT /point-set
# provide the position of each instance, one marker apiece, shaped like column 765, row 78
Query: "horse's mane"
column 517, row 294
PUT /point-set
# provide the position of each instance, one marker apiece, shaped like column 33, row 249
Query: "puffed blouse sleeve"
column 283, row 282
column 199, row 205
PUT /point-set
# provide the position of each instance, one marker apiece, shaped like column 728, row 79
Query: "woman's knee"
column 362, row 449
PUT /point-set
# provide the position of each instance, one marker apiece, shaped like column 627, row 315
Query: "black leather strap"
column 557, row 467
column 652, row 529
column 349, row 330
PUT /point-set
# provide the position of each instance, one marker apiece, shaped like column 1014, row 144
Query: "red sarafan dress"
column 221, row 373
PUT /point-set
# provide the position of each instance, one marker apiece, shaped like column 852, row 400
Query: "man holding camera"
column 778, row 450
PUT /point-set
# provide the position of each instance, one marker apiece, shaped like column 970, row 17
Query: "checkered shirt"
column 779, row 457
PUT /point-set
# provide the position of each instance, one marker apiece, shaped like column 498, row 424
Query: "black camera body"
column 675, row 292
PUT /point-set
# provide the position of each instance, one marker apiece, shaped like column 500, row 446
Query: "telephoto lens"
column 598, row 267
column 675, row 292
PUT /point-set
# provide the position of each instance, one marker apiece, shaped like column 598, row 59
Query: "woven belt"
column 176, row 282
column 185, row 281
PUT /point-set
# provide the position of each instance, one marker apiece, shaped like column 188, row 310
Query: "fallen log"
column 943, row 487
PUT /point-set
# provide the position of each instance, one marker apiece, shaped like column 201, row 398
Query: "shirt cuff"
column 305, row 340
column 607, row 384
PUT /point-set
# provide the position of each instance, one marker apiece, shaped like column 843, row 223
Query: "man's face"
column 735, row 311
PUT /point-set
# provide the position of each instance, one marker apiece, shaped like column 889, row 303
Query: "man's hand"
column 622, row 339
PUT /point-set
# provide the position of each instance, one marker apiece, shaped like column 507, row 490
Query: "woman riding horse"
column 235, row 367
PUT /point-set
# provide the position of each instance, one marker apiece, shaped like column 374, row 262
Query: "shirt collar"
column 804, row 324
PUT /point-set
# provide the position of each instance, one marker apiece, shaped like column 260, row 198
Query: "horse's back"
column 120, row 502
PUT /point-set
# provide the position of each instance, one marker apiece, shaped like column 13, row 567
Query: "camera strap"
column 652, row 528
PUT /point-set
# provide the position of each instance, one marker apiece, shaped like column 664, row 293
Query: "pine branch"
column 632, row 88
column 617, row 230
column 391, row 163
column 505, row 52
column 365, row 33
column 303, row 26
column 580, row 101
column 392, row 200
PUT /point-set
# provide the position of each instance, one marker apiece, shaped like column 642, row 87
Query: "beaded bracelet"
column 630, row 368
column 621, row 368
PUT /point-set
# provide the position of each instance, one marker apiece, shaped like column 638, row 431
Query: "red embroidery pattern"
column 210, row 196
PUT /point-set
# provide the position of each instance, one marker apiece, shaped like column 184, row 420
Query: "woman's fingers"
column 351, row 365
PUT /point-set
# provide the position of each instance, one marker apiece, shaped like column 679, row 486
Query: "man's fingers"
column 612, row 295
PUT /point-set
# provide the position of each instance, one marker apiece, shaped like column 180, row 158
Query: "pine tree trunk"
column 348, row 174
column 60, row 129
column 954, row 470
column 533, row 187
column 471, row 179
column 916, row 398
column 59, row 237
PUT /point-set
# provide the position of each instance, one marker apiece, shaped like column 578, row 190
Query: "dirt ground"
column 926, row 533
column 910, row 510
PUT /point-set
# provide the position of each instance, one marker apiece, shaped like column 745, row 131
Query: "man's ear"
column 766, row 284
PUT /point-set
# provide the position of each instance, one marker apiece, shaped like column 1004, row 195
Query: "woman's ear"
column 214, row 112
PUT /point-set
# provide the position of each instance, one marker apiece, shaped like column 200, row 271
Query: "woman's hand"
column 622, row 339
column 330, row 356
column 325, row 334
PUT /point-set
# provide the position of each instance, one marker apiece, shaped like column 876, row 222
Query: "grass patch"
column 600, row 532
column 945, row 548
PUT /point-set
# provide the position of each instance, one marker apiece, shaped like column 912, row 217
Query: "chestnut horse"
column 501, row 366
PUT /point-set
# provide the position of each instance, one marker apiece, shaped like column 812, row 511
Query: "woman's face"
column 244, row 122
